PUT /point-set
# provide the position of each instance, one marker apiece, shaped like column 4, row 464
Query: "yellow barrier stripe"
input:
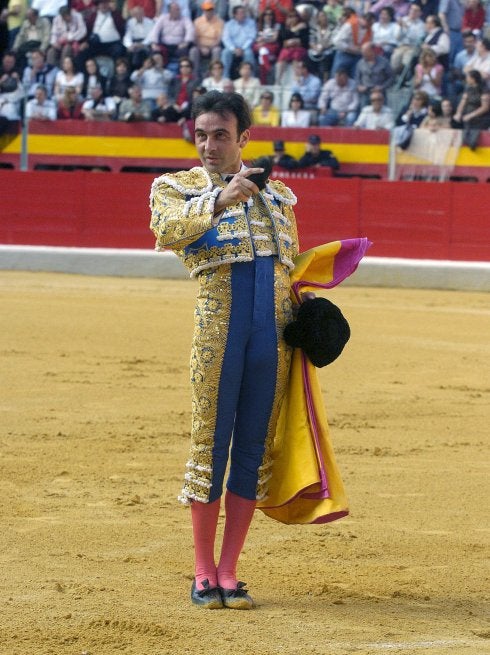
column 167, row 148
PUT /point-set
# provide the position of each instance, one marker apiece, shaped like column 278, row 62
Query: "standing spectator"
column 296, row 115
column 281, row 158
column 372, row 72
column 208, row 30
column 473, row 17
column 70, row 106
column 306, row 84
column 39, row 72
column 92, row 77
column 265, row 113
column 13, row 15
column 98, row 107
column 339, row 100
column 105, row 33
column 67, row 32
column 135, row 108
column 215, row 81
column 316, row 157
column 321, row 51
column 152, row 78
column 41, row 107
column 238, row 37
column 348, row 39
column 437, row 40
column 428, row 74
column 247, row 85
column 67, row 76
column 481, row 60
column 267, row 45
column 294, row 38
column 410, row 37
column 386, row 32
column 172, row 35
column 34, row 34
column 376, row 116
column 451, row 17
column 473, row 111
column 138, row 28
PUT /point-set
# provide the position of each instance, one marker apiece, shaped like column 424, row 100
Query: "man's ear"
column 244, row 138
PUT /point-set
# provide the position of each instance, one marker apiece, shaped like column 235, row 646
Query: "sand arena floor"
column 95, row 551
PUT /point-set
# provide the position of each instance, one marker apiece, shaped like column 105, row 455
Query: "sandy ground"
column 95, row 550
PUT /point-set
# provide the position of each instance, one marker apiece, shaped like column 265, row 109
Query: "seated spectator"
column 41, row 107
column 68, row 30
column 473, row 111
column 182, row 87
column 428, row 74
column 294, row 39
column 120, row 81
column 400, row 8
column 149, row 7
column 39, row 72
column 172, row 35
column 247, row 85
column 385, row 32
column 372, row 72
column 9, row 75
column 428, row 7
column 13, row 15
column 138, row 28
column 34, row 34
column 238, row 37
column 439, row 115
column 411, row 35
column 11, row 95
column 473, row 17
column 135, row 108
column 163, row 7
column 376, row 116
column 339, row 101
column 92, row 77
column 105, row 30
column 281, row 158
column 265, row 113
column 98, row 107
column 321, row 50
column 296, row 115
column 70, row 106
column 48, row 8
column 152, row 78
column 348, row 39
column 208, row 30
column 456, row 77
column 307, row 85
column 480, row 60
column 84, row 7
column 316, row 157
column 215, row 81
column 437, row 40
column 165, row 111
column 67, row 76
column 412, row 118
column 281, row 8
column 266, row 46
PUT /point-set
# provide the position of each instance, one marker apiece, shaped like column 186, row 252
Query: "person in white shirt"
column 376, row 116
column 41, row 108
column 67, row 31
column 138, row 29
column 152, row 78
column 410, row 36
column 48, row 8
column 339, row 100
column 481, row 61
column 247, row 85
column 98, row 107
column 296, row 115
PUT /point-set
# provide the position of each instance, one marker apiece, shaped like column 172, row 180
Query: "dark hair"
column 477, row 77
column 486, row 43
column 224, row 104
column 389, row 10
column 299, row 97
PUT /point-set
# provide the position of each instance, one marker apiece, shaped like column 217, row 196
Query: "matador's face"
column 218, row 143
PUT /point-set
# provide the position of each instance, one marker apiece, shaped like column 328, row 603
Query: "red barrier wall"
column 404, row 219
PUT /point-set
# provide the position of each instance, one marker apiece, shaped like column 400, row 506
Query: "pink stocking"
column 239, row 513
column 204, row 522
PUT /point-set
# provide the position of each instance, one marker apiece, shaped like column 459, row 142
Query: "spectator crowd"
column 381, row 64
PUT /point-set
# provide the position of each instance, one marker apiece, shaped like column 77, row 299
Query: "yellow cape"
column 306, row 485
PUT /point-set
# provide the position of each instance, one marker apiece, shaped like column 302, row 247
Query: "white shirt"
column 370, row 120
column 104, row 26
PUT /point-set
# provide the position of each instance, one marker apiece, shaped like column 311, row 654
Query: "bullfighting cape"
column 306, row 486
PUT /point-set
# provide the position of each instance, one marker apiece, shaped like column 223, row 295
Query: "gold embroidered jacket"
column 182, row 218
